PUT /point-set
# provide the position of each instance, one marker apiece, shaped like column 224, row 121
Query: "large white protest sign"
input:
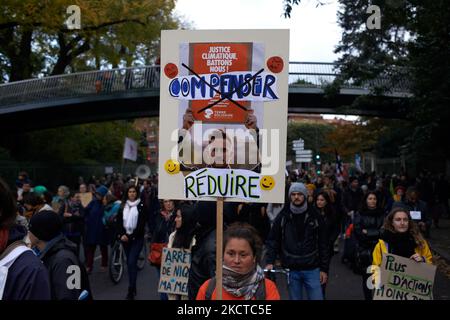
column 223, row 106
column 175, row 264
column 405, row 279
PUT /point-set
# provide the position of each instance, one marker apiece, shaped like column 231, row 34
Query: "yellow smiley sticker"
column 267, row 183
column 172, row 166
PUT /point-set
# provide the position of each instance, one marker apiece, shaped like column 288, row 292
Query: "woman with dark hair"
column 367, row 224
column 243, row 277
column 183, row 236
column 402, row 237
column 131, row 221
column 26, row 277
column 165, row 225
column 323, row 205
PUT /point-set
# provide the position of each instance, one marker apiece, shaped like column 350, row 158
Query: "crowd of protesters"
column 365, row 211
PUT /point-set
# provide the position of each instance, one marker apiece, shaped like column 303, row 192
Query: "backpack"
column 7, row 259
column 260, row 293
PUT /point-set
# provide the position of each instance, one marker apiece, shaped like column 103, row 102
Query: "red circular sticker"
column 171, row 70
column 275, row 64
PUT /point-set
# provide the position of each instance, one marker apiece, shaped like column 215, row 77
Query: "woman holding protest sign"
column 183, row 236
column 131, row 221
column 401, row 237
column 243, row 278
column 165, row 225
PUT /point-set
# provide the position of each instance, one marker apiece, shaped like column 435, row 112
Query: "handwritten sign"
column 405, row 279
column 175, row 271
column 207, row 182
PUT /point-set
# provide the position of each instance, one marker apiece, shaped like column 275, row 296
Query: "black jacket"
column 372, row 221
column 139, row 232
column 27, row 277
column 59, row 257
column 351, row 200
column 297, row 252
column 203, row 261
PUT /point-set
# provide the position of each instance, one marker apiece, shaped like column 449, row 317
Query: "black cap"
column 45, row 225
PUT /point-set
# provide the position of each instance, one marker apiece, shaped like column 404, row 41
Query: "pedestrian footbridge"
column 134, row 92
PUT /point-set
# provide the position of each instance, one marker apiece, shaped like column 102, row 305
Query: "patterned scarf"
column 239, row 285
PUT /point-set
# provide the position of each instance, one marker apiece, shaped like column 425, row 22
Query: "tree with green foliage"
column 92, row 143
column 413, row 44
column 34, row 37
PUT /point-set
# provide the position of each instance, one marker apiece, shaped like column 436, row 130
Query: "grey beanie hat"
column 298, row 187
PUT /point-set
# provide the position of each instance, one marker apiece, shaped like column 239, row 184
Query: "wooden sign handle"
column 219, row 248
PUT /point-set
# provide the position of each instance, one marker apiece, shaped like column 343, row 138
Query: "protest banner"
column 223, row 105
column 223, row 118
column 175, row 265
column 404, row 279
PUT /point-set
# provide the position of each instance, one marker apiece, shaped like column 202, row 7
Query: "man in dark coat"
column 68, row 277
column 299, row 236
column 95, row 230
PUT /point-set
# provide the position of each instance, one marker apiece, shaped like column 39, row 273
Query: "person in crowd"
column 418, row 210
column 401, row 237
column 323, row 205
column 255, row 214
column 34, row 203
column 183, row 236
column 26, row 278
column 149, row 196
column 311, row 188
column 299, row 236
column 72, row 213
column 60, row 198
column 84, row 195
column 203, row 256
column 383, row 196
column 59, row 256
column 243, row 277
column 273, row 209
column 95, row 230
column 351, row 200
column 131, row 221
column 165, row 225
column 25, row 189
column 399, row 193
column 112, row 206
column 367, row 224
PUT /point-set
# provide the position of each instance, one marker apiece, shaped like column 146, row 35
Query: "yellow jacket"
column 381, row 248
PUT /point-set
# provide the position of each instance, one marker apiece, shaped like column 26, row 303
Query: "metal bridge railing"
column 81, row 84
column 105, row 82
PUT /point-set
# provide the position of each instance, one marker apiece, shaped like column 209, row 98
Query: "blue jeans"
column 132, row 250
column 310, row 279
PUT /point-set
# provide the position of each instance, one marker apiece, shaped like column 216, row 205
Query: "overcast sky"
column 314, row 32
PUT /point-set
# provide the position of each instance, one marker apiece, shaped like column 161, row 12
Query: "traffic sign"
column 297, row 149
column 304, row 152
column 303, row 160
column 298, row 145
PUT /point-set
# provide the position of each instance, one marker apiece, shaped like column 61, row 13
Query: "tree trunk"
column 21, row 62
